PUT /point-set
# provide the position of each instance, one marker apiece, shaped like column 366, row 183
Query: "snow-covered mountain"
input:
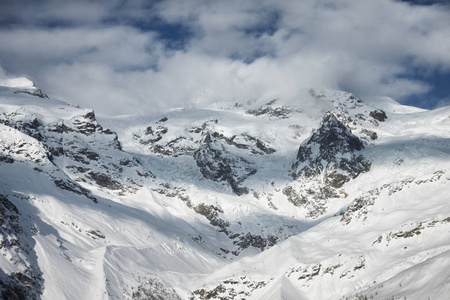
column 324, row 196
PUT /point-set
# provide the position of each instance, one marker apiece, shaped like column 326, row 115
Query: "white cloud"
column 239, row 50
column 119, row 47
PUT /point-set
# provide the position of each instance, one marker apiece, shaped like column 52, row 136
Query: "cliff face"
column 217, row 164
column 332, row 153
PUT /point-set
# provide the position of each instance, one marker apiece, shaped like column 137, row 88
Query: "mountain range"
column 320, row 196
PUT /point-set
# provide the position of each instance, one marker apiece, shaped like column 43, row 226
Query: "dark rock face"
column 153, row 135
column 325, row 162
column 371, row 134
column 378, row 115
column 257, row 241
column 6, row 159
column 73, row 187
column 15, row 238
column 211, row 212
column 78, row 143
column 86, row 124
column 33, row 92
column 331, row 152
column 217, row 164
column 104, row 180
column 32, row 127
column 9, row 222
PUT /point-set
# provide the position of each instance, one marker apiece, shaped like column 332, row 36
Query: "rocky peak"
column 325, row 162
column 331, row 151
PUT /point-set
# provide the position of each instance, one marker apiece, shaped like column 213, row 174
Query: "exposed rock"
column 313, row 198
column 370, row 133
column 127, row 162
column 24, row 150
column 95, row 234
column 33, row 92
column 256, row 241
column 269, row 109
column 378, row 115
column 60, row 128
column 325, row 162
column 217, row 164
column 265, row 149
column 104, row 180
column 6, row 159
column 9, row 223
column 164, row 119
column 417, row 229
column 32, row 127
column 85, row 125
column 173, row 191
column 153, row 288
column 330, row 152
column 231, row 289
column 359, row 207
column 74, row 188
column 15, row 239
column 175, row 147
column 91, row 155
column 151, row 135
column 211, row 212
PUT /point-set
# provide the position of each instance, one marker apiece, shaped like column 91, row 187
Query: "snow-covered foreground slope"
column 319, row 197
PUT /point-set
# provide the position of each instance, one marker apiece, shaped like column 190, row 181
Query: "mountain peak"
column 325, row 189
column 22, row 85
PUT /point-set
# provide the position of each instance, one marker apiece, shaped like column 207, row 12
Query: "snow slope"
column 320, row 197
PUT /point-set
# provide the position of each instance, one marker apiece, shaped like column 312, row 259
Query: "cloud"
column 3, row 74
column 137, row 56
column 443, row 102
column 119, row 47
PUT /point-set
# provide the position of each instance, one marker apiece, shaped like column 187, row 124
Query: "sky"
column 134, row 57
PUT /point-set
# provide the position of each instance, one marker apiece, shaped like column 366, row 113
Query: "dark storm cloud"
column 132, row 56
